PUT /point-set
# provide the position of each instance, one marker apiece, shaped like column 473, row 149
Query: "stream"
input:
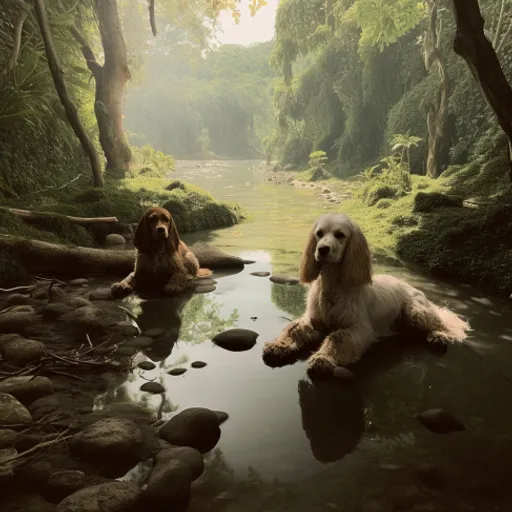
column 290, row 445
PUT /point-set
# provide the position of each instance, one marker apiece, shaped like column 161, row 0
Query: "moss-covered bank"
column 193, row 209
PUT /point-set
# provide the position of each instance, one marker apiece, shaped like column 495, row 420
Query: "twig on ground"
column 16, row 289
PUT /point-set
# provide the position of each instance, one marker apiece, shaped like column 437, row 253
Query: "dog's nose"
column 323, row 251
column 160, row 229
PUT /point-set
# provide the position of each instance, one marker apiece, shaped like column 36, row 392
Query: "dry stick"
column 59, row 187
column 65, row 374
column 88, row 340
column 15, row 289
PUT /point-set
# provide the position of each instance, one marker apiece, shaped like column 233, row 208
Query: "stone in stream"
column 177, row 371
column 284, row 280
column 236, row 340
column 152, row 387
column 208, row 288
column 18, row 320
column 56, row 310
column 109, row 439
column 109, row 497
column 196, row 427
column 12, row 412
column 198, row 364
column 260, row 274
column 79, row 302
column 26, row 502
column 7, row 438
column 88, row 318
column 115, row 239
column 79, row 281
column 127, row 328
column 146, row 365
column 62, row 484
column 27, row 388
column 440, row 421
column 155, row 332
column 47, row 405
column 22, row 351
column 343, row 374
column 101, row 294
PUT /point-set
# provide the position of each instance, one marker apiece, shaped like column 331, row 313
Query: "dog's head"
column 156, row 229
column 337, row 240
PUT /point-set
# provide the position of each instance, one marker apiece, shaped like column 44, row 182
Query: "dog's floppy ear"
column 174, row 237
column 142, row 238
column 309, row 267
column 356, row 265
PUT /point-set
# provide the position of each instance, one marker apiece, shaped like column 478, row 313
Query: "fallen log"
column 83, row 221
column 38, row 257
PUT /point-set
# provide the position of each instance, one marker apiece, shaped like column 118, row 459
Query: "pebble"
column 22, row 351
column 147, row 365
column 127, row 328
column 27, row 388
column 100, row 294
column 79, row 282
column 12, row 412
column 440, row 421
column 205, row 288
column 56, row 309
column 115, row 239
column 7, row 438
column 152, row 387
column 156, row 332
column 177, row 371
column 236, row 340
column 61, row 484
column 198, row 364
column 284, row 280
column 260, row 274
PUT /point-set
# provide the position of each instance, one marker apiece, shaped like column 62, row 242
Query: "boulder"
column 56, row 310
column 169, row 483
column 45, row 406
column 152, row 387
column 109, row 439
column 108, row 497
column 18, row 321
column 284, row 280
column 7, row 438
column 22, row 351
column 62, row 484
column 26, row 388
column 12, row 412
column 196, row 427
column 115, row 239
column 190, row 457
column 88, row 318
column 26, row 502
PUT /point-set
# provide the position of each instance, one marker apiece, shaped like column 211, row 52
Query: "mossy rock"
column 377, row 192
column 427, row 202
column 175, row 184
column 383, row 204
column 404, row 221
column 319, row 174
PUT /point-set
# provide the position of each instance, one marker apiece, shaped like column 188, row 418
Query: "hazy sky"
column 251, row 29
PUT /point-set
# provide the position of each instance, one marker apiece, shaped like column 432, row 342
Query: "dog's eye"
column 320, row 233
column 153, row 218
column 339, row 235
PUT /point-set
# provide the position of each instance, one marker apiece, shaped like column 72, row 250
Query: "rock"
column 147, row 365
column 7, row 437
column 22, row 351
column 175, row 372
column 12, row 412
column 7, row 468
column 440, row 421
column 140, row 342
column 284, row 280
column 23, row 502
column 109, row 497
column 196, row 427
column 109, row 438
column 208, row 288
column 62, row 484
column 45, row 406
column 404, row 496
column 55, row 310
column 18, row 321
column 204, row 281
column 185, row 454
column 79, row 302
column 169, row 484
column 236, row 340
column 57, row 294
column 260, row 274
column 127, row 328
column 101, row 294
column 79, row 282
column 17, row 299
column 156, row 332
column 432, row 477
column 343, row 374
column 248, row 262
column 198, row 364
column 152, row 387
column 115, row 239
column 88, row 318
column 6, row 338
column 27, row 389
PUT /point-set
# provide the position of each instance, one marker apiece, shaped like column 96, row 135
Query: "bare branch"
column 152, row 20
column 500, row 24
column 87, row 52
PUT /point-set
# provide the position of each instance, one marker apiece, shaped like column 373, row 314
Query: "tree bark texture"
column 474, row 47
column 60, row 86
column 111, row 79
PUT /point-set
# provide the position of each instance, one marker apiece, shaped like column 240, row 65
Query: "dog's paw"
column 439, row 338
column 276, row 355
column 320, row 367
column 204, row 272
column 120, row 290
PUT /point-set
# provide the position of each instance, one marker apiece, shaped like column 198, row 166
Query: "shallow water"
column 289, row 445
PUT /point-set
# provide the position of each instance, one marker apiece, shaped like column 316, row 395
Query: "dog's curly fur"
column 163, row 260
column 348, row 308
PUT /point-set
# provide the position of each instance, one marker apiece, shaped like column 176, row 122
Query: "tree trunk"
column 111, row 79
column 82, row 221
column 68, row 105
column 438, row 112
column 40, row 258
column 110, row 87
column 474, row 47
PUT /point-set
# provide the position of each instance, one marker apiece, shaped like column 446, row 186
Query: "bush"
column 427, row 202
column 383, row 204
column 376, row 191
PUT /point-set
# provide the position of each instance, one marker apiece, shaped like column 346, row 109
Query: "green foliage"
column 149, row 162
column 425, row 203
column 318, row 160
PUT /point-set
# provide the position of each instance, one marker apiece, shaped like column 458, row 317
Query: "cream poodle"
column 348, row 308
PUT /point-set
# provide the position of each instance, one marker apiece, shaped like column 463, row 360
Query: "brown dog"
column 163, row 260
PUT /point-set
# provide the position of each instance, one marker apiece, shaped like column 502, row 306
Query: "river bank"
column 458, row 226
